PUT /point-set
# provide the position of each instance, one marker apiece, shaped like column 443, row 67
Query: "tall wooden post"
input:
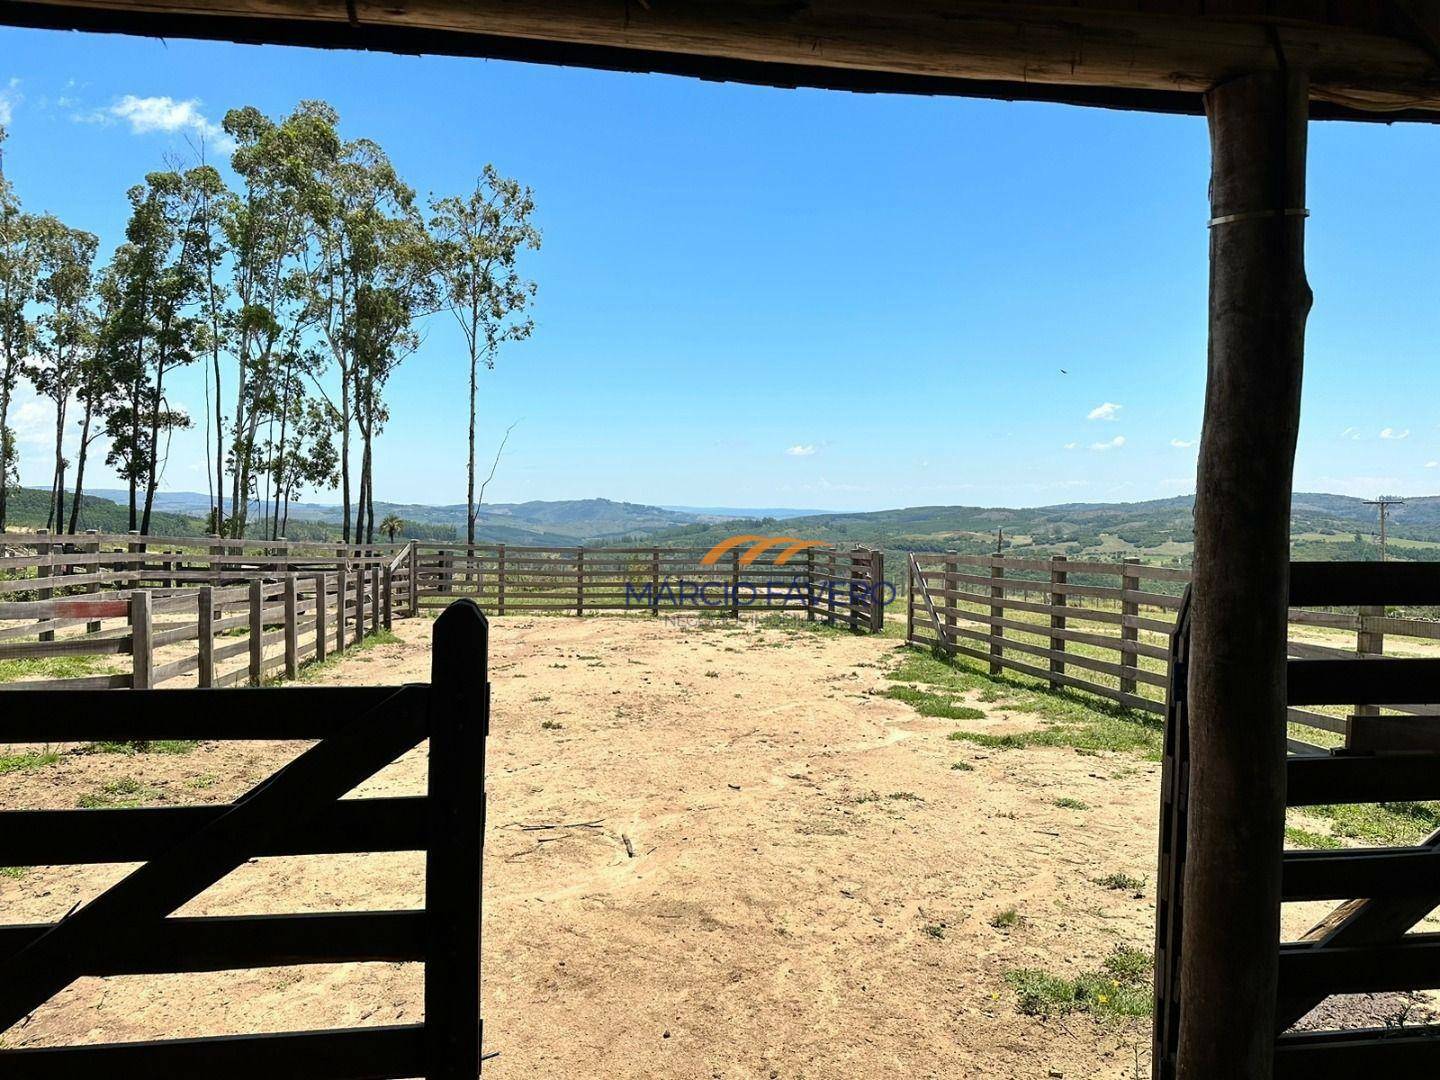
column 997, row 612
column 205, row 633
column 1129, row 610
column 1058, row 577
column 92, row 547
column 142, row 643
column 455, row 804
column 292, row 627
column 1259, row 300
column 257, row 632
column 1368, row 642
column 580, row 581
column 42, row 547
column 342, row 598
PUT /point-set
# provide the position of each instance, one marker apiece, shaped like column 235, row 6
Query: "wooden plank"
column 292, row 628
column 1323, row 874
column 71, row 837
column 229, row 943
column 459, row 718
column 1335, row 584
column 1346, row 1055
column 1376, row 681
column 311, row 712
column 1362, row 778
column 344, row 1054
column 75, row 646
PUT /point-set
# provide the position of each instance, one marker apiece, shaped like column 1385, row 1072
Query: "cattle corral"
column 715, row 848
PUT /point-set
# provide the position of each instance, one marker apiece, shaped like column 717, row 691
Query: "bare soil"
column 811, row 891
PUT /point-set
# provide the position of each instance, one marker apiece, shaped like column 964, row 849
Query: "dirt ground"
column 811, row 891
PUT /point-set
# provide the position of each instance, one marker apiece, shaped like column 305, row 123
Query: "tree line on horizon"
column 299, row 287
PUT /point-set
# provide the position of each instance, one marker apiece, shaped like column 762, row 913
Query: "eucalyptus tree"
column 99, row 389
column 158, row 276
column 19, row 273
column 65, row 332
column 367, row 277
column 478, row 243
column 266, row 226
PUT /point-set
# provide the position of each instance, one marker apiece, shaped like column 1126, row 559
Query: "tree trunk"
column 218, row 525
column 1259, row 300
column 80, row 467
column 470, row 481
column 4, row 461
column 345, row 451
column 57, row 490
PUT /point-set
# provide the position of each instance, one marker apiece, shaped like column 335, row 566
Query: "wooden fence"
column 1105, row 627
column 130, row 929
column 839, row 587
column 221, row 615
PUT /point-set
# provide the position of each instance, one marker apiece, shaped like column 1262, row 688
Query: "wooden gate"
column 130, row 929
column 1364, row 945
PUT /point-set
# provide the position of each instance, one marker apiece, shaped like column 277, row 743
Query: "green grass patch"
column 1005, row 920
column 1067, row 803
column 125, row 792
column 1122, row 882
column 1070, row 719
column 1119, row 988
column 34, row 759
column 927, row 703
column 963, row 766
column 312, row 670
column 143, row 746
column 1305, row 838
column 51, row 667
column 1381, row 823
column 934, row 930
column 14, row 873
column 551, row 725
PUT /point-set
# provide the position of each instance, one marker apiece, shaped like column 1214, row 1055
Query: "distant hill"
column 1159, row 530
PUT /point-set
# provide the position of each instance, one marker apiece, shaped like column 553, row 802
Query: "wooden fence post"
column 205, row 630
column 809, row 584
column 413, row 608
column 655, row 581
column 735, row 583
column 853, row 576
column 997, row 611
column 950, row 603
column 92, row 547
column 1129, row 610
column 1058, row 600
column 877, row 591
column 257, row 632
column 1367, row 643
column 135, row 566
column 359, row 603
column 500, row 582
column 322, row 601
column 387, row 586
column 580, row 580
column 43, row 547
column 375, row 599
column 458, row 723
column 292, row 627
column 342, row 598
column 910, row 598
column 142, row 643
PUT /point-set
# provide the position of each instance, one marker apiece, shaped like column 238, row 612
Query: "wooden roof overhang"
column 1367, row 59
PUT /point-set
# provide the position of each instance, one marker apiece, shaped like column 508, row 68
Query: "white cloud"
column 1182, row 444
column 1114, row 444
column 146, row 115
column 1072, row 446
column 34, row 423
column 799, row 450
column 9, row 98
column 1108, row 411
column 1351, row 433
column 1393, row 434
column 1432, row 464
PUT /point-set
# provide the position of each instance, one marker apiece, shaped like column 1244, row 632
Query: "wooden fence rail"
column 1105, row 627
column 225, row 636
column 842, row 588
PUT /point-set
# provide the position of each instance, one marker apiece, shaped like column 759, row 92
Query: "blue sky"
column 763, row 297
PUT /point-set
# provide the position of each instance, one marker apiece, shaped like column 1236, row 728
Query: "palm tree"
column 391, row 525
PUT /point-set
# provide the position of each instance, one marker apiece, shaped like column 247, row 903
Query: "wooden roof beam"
column 1359, row 67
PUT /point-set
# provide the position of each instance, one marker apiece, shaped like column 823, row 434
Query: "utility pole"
column 1384, row 502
